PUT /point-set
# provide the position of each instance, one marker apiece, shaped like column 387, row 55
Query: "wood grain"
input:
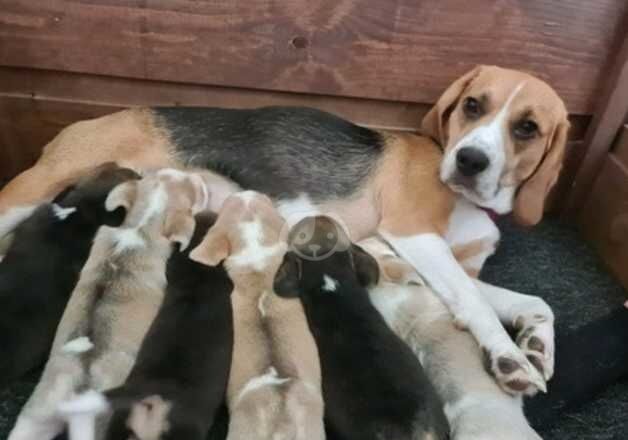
column 620, row 149
column 402, row 50
column 604, row 218
column 122, row 92
column 610, row 114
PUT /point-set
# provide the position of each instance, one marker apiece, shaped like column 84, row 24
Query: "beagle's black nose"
column 471, row 161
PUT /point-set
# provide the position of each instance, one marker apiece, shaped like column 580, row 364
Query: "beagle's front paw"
column 535, row 337
column 512, row 370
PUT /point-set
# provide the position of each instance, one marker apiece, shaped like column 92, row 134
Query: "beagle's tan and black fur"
column 494, row 141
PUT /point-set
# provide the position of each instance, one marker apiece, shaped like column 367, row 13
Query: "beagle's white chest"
column 471, row 234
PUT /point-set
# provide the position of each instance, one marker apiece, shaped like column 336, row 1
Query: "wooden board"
column 403, row 50
column 621, row 146
column 122, row 92
column 610, row 114
column 604, row 218
column 557, row 195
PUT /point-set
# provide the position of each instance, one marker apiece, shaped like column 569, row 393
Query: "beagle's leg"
column 431, row 256
column 531, row 317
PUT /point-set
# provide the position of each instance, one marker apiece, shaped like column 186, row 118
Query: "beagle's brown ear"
column 214, row 248
column 530, row 200
column 434, row 123
column 286, row 282
column 365, row 266
column 122, row 196
column 179, row 227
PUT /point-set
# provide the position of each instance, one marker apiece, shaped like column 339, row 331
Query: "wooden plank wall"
column 377, row 62
column 604, row 216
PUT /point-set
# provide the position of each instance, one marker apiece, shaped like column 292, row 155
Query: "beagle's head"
column 504, row 134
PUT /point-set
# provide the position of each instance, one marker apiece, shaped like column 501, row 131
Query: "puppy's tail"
column 588, row 360
column 80, row 414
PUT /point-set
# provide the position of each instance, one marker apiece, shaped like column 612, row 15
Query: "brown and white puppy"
column 274, row 387
column 117, row 297
column 476, row 408
column 494, row 141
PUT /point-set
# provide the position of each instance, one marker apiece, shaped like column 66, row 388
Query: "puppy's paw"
column 512, row 370
column 535, row 337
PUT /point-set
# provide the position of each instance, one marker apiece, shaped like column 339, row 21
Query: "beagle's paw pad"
column 535, row 337
column 514, row 372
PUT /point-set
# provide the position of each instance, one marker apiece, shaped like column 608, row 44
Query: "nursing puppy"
column 373, row 385
column 117, row 297
column 274, row 390
column 474, row 405
column 180, row 377
column 42, row 266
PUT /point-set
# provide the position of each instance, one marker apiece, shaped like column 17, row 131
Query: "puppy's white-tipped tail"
column 80, row 414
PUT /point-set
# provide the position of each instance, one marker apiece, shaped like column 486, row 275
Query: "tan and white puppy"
column 117, row 297
column 476, row 408
column 274, row 390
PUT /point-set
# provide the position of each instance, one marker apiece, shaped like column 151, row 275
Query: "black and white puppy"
column 180, row 377
column 373, row 386
column 43, row 263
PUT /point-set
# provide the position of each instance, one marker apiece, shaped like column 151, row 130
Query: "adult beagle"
column 494, row 141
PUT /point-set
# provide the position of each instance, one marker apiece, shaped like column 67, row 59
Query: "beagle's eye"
column 472, row 108
column 525, row 130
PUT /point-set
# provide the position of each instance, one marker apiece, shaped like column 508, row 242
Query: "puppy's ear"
column 286, row 282
column 179, row 228
column 214, row 248
column 122, row 196
column 530, row 200
column 365, row 266
column 434, row 123
column 201, row 194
